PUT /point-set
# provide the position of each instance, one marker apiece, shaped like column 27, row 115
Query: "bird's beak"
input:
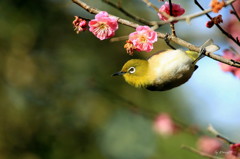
column 118, row 73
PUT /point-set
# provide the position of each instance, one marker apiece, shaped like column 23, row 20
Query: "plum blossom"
column 164, row 125
column 103, row 26
column 229, row 54
column 209, row 145
column 79, row 24
column 177, row 10
column 141, row 40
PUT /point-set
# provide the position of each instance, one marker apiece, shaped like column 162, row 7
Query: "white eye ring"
column 131, row 70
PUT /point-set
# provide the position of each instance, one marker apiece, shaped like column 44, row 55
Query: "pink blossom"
column 79, row 24
column 143, row 38
column 164, row 125
column 233, row 25
column 209, row 145
column 177, row 10
column 103, row 26
column 232, row 28
column 228, row 54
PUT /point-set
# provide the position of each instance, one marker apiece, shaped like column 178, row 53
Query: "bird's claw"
column 203, row 51
column 166, row 39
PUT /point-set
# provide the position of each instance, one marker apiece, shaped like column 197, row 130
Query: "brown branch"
column 162, row 36
column 218, row 135
column 138, row 19
column 218, row 26
column 148, row 3
column 96, row 11
column 151, row 5
column 199, row 152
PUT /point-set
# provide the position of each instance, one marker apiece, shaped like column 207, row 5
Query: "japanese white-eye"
column 165, row 69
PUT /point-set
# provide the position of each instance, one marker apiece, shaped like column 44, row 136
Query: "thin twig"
column 199, row 152
column 150, row 5
column 157, row 10
column 161, row 35
column 219, row 27
column 170, row 7
column 173, row 29
column 218, row 135
column 96, row 11
column 171, row 14
column 140, row 20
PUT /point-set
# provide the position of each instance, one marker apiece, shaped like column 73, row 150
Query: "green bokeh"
column 58, row 99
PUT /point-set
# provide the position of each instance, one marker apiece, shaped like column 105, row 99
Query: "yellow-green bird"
column 165, row 69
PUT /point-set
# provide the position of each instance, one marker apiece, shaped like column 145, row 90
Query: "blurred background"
column 58, row 99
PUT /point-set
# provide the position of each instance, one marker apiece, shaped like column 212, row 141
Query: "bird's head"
column 135, row 72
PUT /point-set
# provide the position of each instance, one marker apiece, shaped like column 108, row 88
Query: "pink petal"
column 103, row 26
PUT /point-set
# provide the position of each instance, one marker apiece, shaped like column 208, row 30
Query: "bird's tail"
column 208, row 46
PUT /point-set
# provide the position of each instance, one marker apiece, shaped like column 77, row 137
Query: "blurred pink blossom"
column 209, row 145
column 230, row 156
column 177, row 10
column 103, row 26
column 232, row 28
column 233, row 25
column 228, row 54
column 164, row 125
column 235, row 149
column 143, row 38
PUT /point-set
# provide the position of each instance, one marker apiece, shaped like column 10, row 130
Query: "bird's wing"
column 159, row 52
column 209, row 46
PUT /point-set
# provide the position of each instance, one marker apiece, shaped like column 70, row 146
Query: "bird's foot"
column 201, row 54
column 166, row 39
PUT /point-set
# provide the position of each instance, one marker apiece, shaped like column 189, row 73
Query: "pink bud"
column 164, row 125
column 209, row 24
column 79, row 24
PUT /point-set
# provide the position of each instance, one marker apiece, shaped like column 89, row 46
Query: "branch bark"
column 175, row 39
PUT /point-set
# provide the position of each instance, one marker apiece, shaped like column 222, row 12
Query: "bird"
column 165, row 69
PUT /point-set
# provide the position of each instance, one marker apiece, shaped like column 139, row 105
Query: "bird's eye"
column 131, row 70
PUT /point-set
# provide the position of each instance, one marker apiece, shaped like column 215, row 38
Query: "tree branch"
column 218, row 135
column 199, row 152
column 162, row 36
column 140, row 20
column 219, row 27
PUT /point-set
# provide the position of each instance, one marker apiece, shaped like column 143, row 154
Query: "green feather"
column 193, row 55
